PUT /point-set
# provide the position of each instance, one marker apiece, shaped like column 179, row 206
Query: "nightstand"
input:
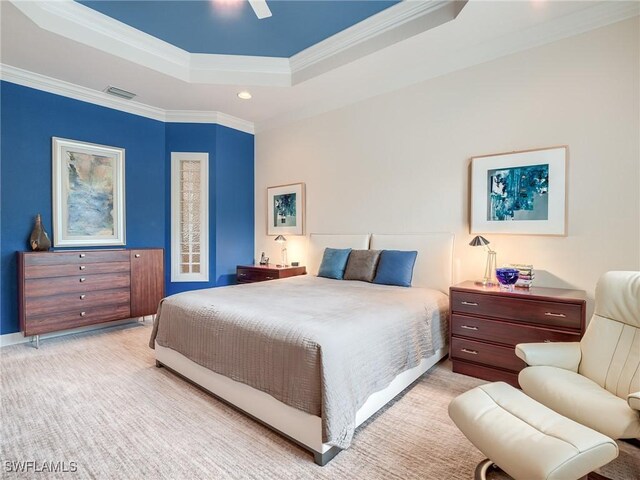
column 262, row 273
column 486, row 323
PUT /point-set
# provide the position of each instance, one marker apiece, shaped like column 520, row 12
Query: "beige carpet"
column 97, row 399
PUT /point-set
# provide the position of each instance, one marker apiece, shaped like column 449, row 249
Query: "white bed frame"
column 433, row 269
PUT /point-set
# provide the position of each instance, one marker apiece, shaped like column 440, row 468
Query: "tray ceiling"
column 230, row 27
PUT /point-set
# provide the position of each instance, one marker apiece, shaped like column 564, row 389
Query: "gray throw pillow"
column 362, row 265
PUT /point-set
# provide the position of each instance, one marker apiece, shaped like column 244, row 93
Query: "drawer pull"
column 547, row 341
column 472, row 352
column 242, row 274
column 82, row 267
column 269, row 278
column 551, row 314
column 468, row 327
column 137, row 255
column 82, row 279
column 82, row 255
column 82, row 296
column 472, row 304
column 82, row 314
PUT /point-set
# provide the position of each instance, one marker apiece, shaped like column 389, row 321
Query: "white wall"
column 399, row 162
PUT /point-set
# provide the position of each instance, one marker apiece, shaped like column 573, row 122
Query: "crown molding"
column 60, row 87
column 598, row 15
column 404, row 20
column 82, row 24
column 236, row 123
column 193, row 116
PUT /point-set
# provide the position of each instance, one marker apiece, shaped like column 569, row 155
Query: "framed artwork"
column 88, row 194
column 285, row 209
column 520, row 192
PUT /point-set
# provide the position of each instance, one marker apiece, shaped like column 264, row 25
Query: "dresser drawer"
column 486, row 354
column 36, row 306
column 556, row 314
column 41, row 287
column 73, row 319
column 246, row 275
column 507, row 333
column 77, row 257
column 51, row 271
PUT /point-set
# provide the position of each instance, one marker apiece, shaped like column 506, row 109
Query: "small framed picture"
column 520, row 192
column 88, row 194
column 285, row 209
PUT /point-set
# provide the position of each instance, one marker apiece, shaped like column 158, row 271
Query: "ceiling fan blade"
column 261, row 8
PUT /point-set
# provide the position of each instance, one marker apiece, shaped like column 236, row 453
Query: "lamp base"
column 489, row 278
column 486, row 283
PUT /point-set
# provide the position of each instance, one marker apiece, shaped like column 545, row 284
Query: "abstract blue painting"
column 284, row 210
column 90, row 194
column 518, row 193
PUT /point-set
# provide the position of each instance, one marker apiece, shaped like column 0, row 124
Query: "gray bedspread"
column 319, row 345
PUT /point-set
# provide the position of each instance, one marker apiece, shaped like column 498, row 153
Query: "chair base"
column 483, row 467
column 487, row 465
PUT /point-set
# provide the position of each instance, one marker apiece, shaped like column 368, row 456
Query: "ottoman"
column 526, row 439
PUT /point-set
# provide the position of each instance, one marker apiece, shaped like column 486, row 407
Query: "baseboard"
column 12, row 339
column 17, row 337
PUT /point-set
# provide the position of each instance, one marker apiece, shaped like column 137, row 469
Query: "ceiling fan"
column 260, row 8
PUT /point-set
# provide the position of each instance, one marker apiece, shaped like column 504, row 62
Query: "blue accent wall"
column 30, row 118
column 234, row 202
column 231, row 198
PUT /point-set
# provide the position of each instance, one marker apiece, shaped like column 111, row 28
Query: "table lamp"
column 282, row 241
column 490, row 268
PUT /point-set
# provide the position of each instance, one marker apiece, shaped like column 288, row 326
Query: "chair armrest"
column 566, row 355
column 633, row 399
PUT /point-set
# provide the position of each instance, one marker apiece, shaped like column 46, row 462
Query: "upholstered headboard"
column 434, row 264
column 319, row 241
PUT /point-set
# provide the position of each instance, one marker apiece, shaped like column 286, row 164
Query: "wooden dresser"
column 487, row 323
column 69, row 289
column 261, row 273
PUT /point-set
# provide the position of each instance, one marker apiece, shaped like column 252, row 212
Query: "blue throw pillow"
column 334, row 261
column 396, row 268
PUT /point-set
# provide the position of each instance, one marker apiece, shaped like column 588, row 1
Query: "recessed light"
column 244, row 95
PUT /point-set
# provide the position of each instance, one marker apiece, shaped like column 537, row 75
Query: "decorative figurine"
column 39, row 240
column 264, row 260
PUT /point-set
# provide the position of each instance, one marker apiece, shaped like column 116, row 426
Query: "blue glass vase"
column 507, row 277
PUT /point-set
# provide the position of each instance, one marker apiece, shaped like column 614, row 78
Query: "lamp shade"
column 280, row 238
column 479, row 241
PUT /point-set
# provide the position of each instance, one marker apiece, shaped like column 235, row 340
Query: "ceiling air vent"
column 118, row 92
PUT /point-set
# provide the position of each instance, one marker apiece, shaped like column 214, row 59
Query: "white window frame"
column 176, row 273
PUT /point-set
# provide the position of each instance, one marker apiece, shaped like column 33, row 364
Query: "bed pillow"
column 334, row 261
column 396, row 267
column 362, row 265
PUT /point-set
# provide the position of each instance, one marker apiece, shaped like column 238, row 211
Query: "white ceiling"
column 483, row 31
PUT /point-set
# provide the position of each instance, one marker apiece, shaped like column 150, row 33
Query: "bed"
column 310, row 357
